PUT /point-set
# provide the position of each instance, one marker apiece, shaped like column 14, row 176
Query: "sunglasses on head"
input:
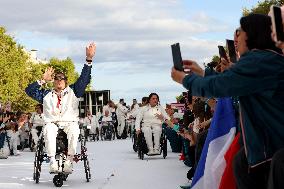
column 59, row 78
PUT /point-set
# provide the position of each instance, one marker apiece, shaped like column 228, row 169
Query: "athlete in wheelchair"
column 151, row 141
column 91, row 129
column 61, row 117
column 107, row 127
column 37, row 123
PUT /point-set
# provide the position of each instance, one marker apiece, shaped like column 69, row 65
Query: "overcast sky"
column 133, row 37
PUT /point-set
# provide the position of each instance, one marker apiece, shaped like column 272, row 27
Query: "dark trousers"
column 276, row 179
column 249, row 178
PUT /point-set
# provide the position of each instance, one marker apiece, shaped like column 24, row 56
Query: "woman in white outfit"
column 91, row 123
column 37, row 123
column 152, row 116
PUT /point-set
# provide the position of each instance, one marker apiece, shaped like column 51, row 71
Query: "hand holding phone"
column 177, row 59
column 222, row 53
column 231, row 50
column 277, row 23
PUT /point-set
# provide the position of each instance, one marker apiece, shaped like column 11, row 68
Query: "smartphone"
column 231, row 50
column 277, row 25
column 222, row 52
column 177, row 59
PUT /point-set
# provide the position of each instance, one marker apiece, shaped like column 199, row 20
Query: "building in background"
column 93, row 101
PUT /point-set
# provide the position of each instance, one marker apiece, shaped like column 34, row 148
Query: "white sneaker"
column 68, row 166
column 150, row 152
column 53, row 167
column 156, row 151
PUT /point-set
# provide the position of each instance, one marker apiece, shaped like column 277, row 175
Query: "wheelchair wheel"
column 140, row 146
column 58, row 180
column 134, row 140
column 87, row 168
column 65, row 176
column 165, row 152
column 38, row 161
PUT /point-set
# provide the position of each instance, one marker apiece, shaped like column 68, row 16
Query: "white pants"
column 35, row 136
column 50, row 132
column 93, row 130
column 156, row 129
column 13, row 141
column 121, row 125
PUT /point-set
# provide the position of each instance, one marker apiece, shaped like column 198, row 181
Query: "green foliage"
column 215, row 58
column 16, row 72
column 262, row 7
column 179, row 98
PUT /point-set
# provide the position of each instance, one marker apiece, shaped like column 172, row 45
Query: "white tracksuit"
column 91, row 123
column 61, row 108
column 106, row 119
column 14, row 140
column 151, row 124
column 37, row 121
column 121, row 116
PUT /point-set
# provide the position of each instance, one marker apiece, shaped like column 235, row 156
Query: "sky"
column 133, row 37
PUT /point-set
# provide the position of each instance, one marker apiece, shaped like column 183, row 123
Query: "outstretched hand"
column 48, row 74
column 90, row 51
column 159, row 116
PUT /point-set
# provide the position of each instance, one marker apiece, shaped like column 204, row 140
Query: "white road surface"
column 114, row 165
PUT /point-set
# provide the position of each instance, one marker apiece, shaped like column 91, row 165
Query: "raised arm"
column 80, row 85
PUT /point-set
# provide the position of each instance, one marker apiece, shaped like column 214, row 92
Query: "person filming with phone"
column 60, row 107
column 257, row 79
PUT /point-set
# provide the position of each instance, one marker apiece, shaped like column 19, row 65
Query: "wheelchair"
column 107, row 130
column 130, row 124
column 134, row 141
column 92, row 136
column 143, row 149
column 61, row 154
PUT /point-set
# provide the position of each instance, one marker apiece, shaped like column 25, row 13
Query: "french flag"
column 214, row 169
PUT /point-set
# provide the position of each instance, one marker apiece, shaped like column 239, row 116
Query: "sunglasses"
column 59, row 78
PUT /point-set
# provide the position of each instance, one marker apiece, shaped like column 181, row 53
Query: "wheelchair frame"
column 110, row 127
column 58, row 179
column 142, row 147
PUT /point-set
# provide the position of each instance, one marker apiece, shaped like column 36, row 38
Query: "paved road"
column 114, row 165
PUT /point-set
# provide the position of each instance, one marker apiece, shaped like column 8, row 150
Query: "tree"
column 262, row 7
column 14, row 72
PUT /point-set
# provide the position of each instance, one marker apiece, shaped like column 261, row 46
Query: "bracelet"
column 89, row 61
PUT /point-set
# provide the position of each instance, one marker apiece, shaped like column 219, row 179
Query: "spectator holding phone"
column 279, row 44
column 258, row 80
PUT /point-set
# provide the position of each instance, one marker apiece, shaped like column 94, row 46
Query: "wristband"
column 89, row 61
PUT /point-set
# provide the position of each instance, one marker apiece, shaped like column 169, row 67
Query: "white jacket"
column 121, row 110
column 91, row 122
column 147, row 115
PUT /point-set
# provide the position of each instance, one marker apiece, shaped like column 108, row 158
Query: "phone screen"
column 277, row 22
column 177, row 59
column 231, row 50
column 222, row 52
